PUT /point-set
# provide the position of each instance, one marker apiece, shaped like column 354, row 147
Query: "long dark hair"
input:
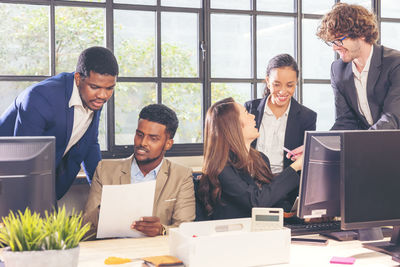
column 280, row 61
column 224, row 144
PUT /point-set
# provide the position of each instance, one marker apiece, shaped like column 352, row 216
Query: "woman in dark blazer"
column 286, row 120
column 236, row 177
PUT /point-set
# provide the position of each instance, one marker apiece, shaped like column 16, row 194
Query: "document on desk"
column 123, row 204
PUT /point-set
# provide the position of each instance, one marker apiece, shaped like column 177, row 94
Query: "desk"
column 93, row 253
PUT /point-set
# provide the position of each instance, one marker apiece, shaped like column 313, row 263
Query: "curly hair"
column 354, row 21
column 163, row 115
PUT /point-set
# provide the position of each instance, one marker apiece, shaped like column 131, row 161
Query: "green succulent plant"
column 28, row 231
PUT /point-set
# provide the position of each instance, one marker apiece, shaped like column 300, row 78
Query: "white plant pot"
column 59, row 258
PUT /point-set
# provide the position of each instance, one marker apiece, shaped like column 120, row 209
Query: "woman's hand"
column 298, row 164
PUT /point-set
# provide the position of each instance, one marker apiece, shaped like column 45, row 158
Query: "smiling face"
column 281, row 83
column 350, row 50
column 95, row 89
column 248, row 124
column 150, row 143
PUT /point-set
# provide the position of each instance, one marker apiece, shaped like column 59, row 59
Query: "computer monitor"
column 370, row 183
column 320, row 178
column 27, row 174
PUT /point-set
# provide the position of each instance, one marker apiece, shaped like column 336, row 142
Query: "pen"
column 288, row 151
column 310, row 241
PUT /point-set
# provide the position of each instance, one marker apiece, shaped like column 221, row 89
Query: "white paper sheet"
column 123, row 204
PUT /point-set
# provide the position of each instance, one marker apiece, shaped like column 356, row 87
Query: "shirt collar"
column 136, row 171
column 367, row 63
column 268, row 111
column 75, row 99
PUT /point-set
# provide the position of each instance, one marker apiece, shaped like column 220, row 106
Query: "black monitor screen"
column 27, row 174
column 319, row 193
column 371, row 179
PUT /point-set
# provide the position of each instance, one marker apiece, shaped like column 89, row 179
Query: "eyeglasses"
column 337, row 42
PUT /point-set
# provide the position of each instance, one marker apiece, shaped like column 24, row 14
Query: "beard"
column 148, row 160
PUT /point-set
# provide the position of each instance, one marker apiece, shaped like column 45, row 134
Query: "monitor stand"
column 391, row 247
column 370, row 234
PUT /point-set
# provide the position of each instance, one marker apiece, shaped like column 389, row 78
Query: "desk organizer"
column 228, row 243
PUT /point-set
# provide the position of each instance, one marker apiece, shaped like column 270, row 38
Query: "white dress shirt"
column 82, row 118
column 137, row 175
column 360, row 81
column 272, row 137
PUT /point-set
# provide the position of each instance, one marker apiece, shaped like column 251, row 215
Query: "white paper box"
column 200, row 244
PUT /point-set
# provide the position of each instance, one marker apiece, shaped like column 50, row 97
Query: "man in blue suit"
column 68, row 107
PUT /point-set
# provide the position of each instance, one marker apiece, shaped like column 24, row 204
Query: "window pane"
column 181, row 3
column 185, row 99
column 241, row 92
column 364, row 3
column 319, row 97
column 230, row 46
column 136, row 2
column 317, row 7
column 390, row 33
column 232, row 4
column 260, row 89
column 275, row 35
column 390, row 8
column 9, row 91
column 134, row 39
column 130, row 98
column 273, row 5
column 179, row 47
column 317, row 56
column 24, row 39
column 77, row 28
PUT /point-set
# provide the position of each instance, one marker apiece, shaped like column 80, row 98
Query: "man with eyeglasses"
column 366, row 78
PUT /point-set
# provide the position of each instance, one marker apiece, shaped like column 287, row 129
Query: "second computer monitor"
column 319, row 193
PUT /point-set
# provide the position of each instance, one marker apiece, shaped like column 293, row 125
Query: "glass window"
column 9, row 91
column 317, row 7
column 136, row 2
column 77, row 28
column 24, row 39
column 134, row 42
column 231, row 4
column 260, row 89
column 273, row 5
column 319, row 97
column 179, row 47
column 364, row 3
column 241, row 92
column 274, row 36
column 182, row 3
column 317, row 56
column 130, row 98
column 390, row 9
column 230, row 46
column 390, row 33
column 185, row 99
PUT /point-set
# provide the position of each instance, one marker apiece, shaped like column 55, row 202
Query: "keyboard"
column 303, row 228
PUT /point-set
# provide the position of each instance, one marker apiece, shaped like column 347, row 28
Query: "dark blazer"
column 383, row 92
column 43, row 110
column 300, row 119
column 240, row 193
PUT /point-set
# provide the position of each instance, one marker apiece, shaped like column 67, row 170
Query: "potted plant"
column 35, row 241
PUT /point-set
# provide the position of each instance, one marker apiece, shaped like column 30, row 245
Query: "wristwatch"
column 163, row 230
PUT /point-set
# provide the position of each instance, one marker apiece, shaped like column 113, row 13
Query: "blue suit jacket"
column 43, row 110
column 383, row 92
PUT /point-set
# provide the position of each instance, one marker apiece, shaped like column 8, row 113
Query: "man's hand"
column 295, row 153
column 149, row 226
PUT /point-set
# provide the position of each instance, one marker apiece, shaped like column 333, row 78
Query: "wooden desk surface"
column 93, row 253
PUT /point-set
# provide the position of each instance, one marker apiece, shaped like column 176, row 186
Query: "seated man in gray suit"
column 174, row 200
column 366, row 78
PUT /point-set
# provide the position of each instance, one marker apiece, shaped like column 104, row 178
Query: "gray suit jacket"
column 383, row 92
column 174, row 201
